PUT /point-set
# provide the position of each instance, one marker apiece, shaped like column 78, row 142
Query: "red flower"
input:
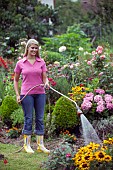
column 53, row 83
column 50, row 79
column 3, row 63
column 5, row 161
column 81, row 85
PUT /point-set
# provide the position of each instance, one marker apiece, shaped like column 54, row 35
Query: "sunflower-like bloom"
column 84, row 166
column 108, row 158
column 108, row 141
column 100, row 155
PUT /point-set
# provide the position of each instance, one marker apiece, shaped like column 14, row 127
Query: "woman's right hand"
column 18, row 99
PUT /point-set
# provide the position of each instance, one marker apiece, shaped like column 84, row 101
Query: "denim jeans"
column 29, row 104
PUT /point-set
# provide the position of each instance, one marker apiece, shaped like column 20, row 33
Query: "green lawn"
column 21, row 160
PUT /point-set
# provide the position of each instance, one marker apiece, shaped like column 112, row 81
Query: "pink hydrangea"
column 100, row 91
column 86, row 105
column 100, row 108
column 108, row 98
column 98, row 98
column 101, row 102
column 89, row 94
column 109, row 106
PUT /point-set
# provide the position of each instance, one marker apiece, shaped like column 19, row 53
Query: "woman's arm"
column 45, row 79
column 16, row 80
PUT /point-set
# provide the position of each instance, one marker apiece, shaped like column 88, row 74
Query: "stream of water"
column 89, row 133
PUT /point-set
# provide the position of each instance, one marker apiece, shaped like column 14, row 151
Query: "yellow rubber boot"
column 27, row 147
column 41, row 147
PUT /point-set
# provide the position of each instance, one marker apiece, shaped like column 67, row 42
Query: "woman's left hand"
column 46, row 85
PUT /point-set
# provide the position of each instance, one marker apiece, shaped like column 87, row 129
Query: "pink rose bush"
column 98, row 102
column 98, row 58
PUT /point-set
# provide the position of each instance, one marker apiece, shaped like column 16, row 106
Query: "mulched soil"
column 50, row 144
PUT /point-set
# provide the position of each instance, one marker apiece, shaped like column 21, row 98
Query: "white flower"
column 77, row 64
column 71, row 66
column 62, row 48
column 23, row 43
column 86, row 53
column 81, row 49
column 56, row 63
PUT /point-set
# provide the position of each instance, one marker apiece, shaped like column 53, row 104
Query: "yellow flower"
column 109, row 141
column 84, row 166
column 108, row 158
column 100, row 156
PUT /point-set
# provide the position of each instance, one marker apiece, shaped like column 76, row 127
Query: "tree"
column 69, row 13
column 24, row 19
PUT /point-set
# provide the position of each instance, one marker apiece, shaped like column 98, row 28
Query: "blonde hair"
column 28, row 44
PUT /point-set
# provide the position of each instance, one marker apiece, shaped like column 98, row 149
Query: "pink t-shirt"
column 31, row 75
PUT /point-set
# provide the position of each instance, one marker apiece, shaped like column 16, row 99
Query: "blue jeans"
column 29, row 104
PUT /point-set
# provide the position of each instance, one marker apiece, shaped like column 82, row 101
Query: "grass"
column 21, row 160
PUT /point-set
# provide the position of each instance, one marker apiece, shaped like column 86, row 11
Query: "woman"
column 33, row 70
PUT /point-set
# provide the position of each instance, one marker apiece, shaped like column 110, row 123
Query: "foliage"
column 105, row 10
column 96, row 65
column 6, row 78
column 8, row 106
column 13, row 132
column 53, row 96
column 60, row 158
column 3, row 70
column 24, row 19
column 104, row 126
column 68, row 137
column 9, row 85
column 72, row 11
column 50, row 56
column 17, row 117
column 64, row 114
column 47, row 118
column 72, row 39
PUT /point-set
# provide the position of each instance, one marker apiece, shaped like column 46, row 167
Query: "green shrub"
column 51, row 57
column 17, row 117
column 64, row 114
column 9, row 104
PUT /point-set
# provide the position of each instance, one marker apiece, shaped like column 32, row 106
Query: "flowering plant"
column 98, row 102
column 94, row 156
column 13, row 132
column 67, row 137
column 98, row 58
column 61, row 158
column 77, row 93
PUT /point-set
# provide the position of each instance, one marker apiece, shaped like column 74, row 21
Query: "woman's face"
column 32, row 50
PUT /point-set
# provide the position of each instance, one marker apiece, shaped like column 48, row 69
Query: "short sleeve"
column 44, row 68
column 17, row 68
